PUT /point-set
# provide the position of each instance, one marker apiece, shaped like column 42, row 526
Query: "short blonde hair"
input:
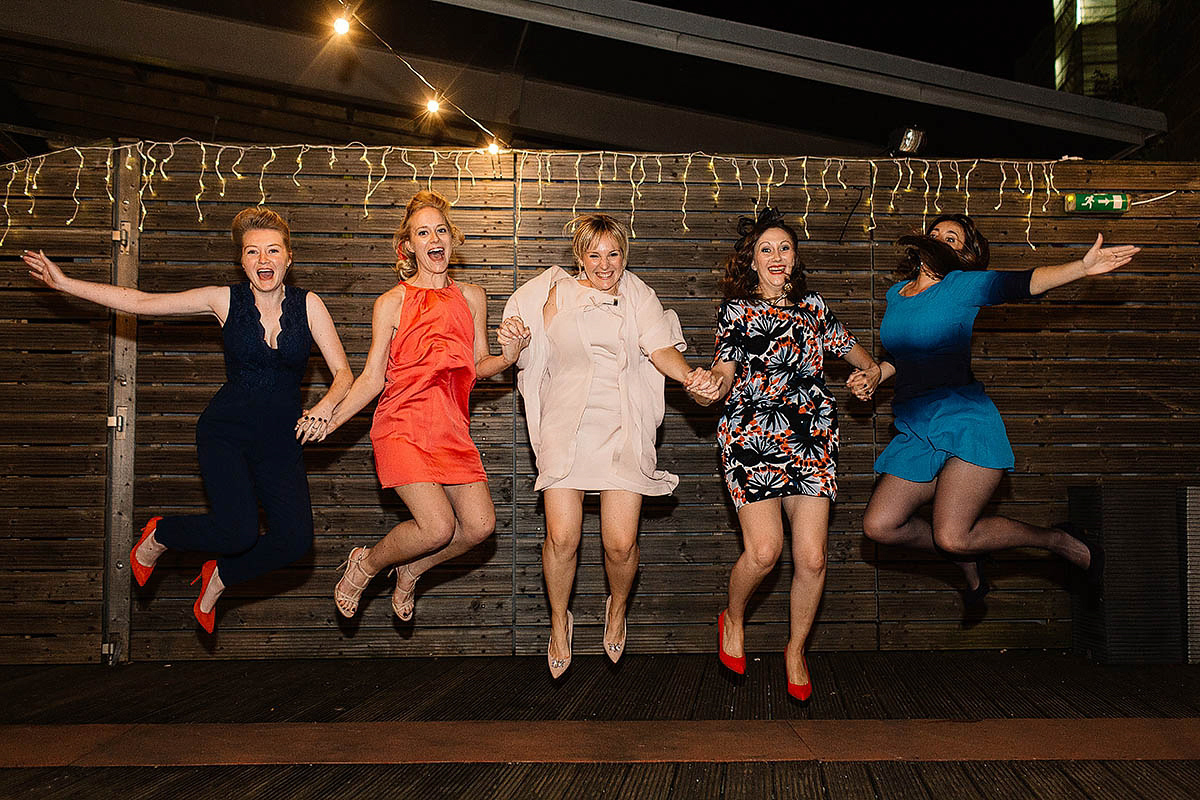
column 426, row 198
column 589, row 228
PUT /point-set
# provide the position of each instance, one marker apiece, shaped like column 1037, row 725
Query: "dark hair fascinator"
column 766, row 218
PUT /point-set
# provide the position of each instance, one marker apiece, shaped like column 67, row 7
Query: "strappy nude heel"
column 347, row 602
column 404, row 597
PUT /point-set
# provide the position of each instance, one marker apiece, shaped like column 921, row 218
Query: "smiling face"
column 265, row 258
column 429, row 241
column 774, row 257
column 603, row 264
column 949, row 232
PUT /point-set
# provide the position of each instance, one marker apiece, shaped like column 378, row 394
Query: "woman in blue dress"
column 950, row 447
column 248, row 440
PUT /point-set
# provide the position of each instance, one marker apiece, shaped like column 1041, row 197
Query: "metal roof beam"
column 829, row 62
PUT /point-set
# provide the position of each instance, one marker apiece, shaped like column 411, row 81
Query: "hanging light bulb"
column 341, row 26
column 493, row 148
column 433, row 105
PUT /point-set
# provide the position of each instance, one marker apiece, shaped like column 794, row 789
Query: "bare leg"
column 963, row 492
column 891, row 519
column 475, row 521
column 432, row 528
column 560, row 556
column 620, row 511
column 762, row 537
column 809, row 518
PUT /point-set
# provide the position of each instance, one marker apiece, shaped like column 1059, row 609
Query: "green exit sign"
column 1096, row 203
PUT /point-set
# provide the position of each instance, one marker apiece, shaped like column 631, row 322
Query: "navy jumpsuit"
column 247, row 448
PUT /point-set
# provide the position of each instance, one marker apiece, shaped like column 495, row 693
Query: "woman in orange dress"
column 428, row 346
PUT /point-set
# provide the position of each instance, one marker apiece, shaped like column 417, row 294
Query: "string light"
column 493, row 148
column 153, row 168
column 439, row 98
column 341, row 26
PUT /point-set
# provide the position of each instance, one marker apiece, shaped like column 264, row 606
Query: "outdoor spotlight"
column 433, row 105
column 906, row 141
column 341, row 26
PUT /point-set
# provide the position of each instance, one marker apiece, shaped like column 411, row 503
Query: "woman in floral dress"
column 778, row 431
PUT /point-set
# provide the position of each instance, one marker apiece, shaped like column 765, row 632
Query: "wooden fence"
column 1097, row 382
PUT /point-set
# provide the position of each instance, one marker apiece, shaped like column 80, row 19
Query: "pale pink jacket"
column 647, row 327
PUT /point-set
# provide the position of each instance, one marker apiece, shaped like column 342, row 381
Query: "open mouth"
column 265, row 274
column 436, row 252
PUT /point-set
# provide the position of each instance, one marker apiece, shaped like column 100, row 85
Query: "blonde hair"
column 258, row 219
column 589, row 228
column 407, row 267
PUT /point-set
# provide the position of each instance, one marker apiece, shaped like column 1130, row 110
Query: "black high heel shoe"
column 1094, row 574
column 974, row 600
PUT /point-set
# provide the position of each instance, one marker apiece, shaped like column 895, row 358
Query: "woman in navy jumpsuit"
column 248, row 440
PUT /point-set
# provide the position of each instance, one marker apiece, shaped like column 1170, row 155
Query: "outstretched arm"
column 1096, row 261
column 204, row 300
column 314, row 425
column 512, row 335
column 370, row 381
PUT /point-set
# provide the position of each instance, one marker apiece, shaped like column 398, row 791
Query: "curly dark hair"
column 740, row 281
column 939, row 257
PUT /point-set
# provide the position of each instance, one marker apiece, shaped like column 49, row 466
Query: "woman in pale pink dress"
column 592, row 379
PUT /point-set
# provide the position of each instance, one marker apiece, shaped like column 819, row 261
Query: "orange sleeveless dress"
column 421, row 431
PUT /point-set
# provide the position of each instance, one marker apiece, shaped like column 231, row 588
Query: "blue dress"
column 247, row 448
column 940, row 410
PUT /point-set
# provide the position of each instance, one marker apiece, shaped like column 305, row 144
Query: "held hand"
column 702, row 385
column 864, row 382
column 513, row 336
column 43, row 269
column 1100, row 259
column 313, row 426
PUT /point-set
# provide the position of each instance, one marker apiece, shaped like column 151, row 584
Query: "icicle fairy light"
column 871, row 197
column 28, row 178
column 957, row 176
column 896, row 188
column 200, row 180
column 908, row 163
column 578, row 188
column 162, row 165
column 770, row 180
column 234, row 169
column 712, row 167
column 262, row 192
column 600, row 180
column 12, row 168
column 520, row 180
column 108, row 165
column 1046, row 180
column 633, row 194
column 937, row 194
column 467, row 167
column 299, row 164
column 925, row 179
column 841, row 166
column 75, row 191
column 807, row 195
column 1029, row 213
column 967, row 188
column 757, row 185
column 409, row 164
column 217, row 171
column 1000, row 196
column 539, row 178
column 433, row 162
column 825, row 188
column 687, row 168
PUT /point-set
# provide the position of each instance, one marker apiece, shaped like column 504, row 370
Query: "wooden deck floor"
column 903, row 725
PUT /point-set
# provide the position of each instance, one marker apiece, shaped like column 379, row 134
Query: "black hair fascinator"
column 766, row 218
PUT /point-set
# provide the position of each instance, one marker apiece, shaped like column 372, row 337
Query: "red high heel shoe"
column 801, row 691
column 738, row 664
column 141, row 573
column 207, row 620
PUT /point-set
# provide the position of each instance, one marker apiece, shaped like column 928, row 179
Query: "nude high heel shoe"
column 559, row 665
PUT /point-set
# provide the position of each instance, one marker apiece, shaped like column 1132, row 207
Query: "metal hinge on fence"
column 110, row 652
column 118, row 422
column 122, row 235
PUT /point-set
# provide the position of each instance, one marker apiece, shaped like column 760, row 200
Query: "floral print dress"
column 779, row 432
